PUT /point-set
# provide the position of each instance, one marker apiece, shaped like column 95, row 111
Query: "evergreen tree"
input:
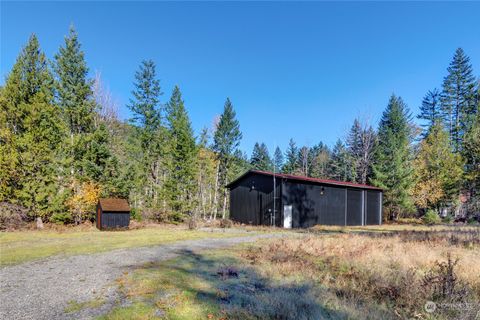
column 361, row 143
column 472, row 157
column 181, row 183
column 145, row 104
column 225, row 142
column 319, row 159
column 278, row 159
column 31, row 132
column 457, row 99
column 74, row 89
column 260, row 159
column 392, row 169
column 291, row 156
column 438, row 171
column 340, row 166
column 146, row 109
column 430, row 110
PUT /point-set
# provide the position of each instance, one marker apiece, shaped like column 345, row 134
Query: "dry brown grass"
column 395, row 270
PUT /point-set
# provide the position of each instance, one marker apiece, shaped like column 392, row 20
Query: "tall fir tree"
column 225, row 142
column 260, row 159
column 146, row 109
column 278, row 159
column 181, row 182
column 291, row 158
column 430, row 111
column 32, row 133
column 438, row 171
column 74, row 89
column 457, row 100
column 392, row 169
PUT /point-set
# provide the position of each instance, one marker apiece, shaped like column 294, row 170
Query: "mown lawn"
column 21, row 246
column 327, row 276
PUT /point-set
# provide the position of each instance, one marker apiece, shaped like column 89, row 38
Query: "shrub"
column 226, row 223
column 61, row 218
column 12, row 216
column 135, row 214
column 448, row 218
column 192, row 223
column 431, row 217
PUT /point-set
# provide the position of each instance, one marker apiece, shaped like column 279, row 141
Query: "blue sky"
column 301, row 70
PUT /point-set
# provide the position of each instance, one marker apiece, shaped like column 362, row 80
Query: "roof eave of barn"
column 304, row 179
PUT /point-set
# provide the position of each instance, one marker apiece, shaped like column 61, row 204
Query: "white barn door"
column 287, row 216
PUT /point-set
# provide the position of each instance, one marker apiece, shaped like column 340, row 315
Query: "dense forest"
column 62, row 146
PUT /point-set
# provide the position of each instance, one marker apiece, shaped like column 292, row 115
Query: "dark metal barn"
column 289, row 201
column 112, row 213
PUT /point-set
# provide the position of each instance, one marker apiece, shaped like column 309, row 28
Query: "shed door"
column 287, row 216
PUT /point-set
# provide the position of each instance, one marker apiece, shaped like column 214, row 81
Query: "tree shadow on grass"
column 240, row 292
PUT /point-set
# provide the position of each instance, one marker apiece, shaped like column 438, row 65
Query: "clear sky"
column 302, row 70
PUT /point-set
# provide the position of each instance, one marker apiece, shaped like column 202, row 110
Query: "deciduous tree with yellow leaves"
column 438, row 171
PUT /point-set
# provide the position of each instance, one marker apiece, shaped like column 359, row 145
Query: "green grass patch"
column 137, row 311
column 74, row 306
column 22, row 246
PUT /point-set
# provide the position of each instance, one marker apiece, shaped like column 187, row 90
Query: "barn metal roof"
column 304, row 179
column 114, row 204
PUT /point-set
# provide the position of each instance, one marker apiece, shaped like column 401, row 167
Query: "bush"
column 61, row 218
column 192, row 223
column 431, row 217
column 12, row 216
column 135, row 214
column 448, row 218
column 226, row 223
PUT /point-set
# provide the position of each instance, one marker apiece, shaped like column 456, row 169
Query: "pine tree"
column 260, row 159
column 225, row 141
column 392, row 169
column 457, row 98
column 438, row 171
column 278, row 159
column 181, row 177
column 430, row 110
column 291, row 163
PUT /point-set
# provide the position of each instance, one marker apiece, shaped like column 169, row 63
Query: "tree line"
column 433, row 166
column 62, row 145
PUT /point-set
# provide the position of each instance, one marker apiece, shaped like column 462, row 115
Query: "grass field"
column 390, row 275
column 21, row 246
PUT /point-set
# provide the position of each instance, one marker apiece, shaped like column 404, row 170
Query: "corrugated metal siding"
column 115, row 220
column 354, row 207
column 373, row 207
column 311, row 207
column 311, row 203
column 255, row 205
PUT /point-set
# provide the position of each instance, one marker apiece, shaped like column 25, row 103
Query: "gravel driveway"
column 43, row 289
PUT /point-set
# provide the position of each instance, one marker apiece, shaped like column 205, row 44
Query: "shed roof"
column 304, row 179
column 114, row 204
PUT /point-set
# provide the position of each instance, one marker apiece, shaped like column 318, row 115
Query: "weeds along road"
column 45, row 289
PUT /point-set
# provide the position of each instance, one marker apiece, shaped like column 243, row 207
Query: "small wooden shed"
column 112, row 213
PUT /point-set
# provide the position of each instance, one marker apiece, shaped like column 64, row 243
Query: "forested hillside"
column 62, row 145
